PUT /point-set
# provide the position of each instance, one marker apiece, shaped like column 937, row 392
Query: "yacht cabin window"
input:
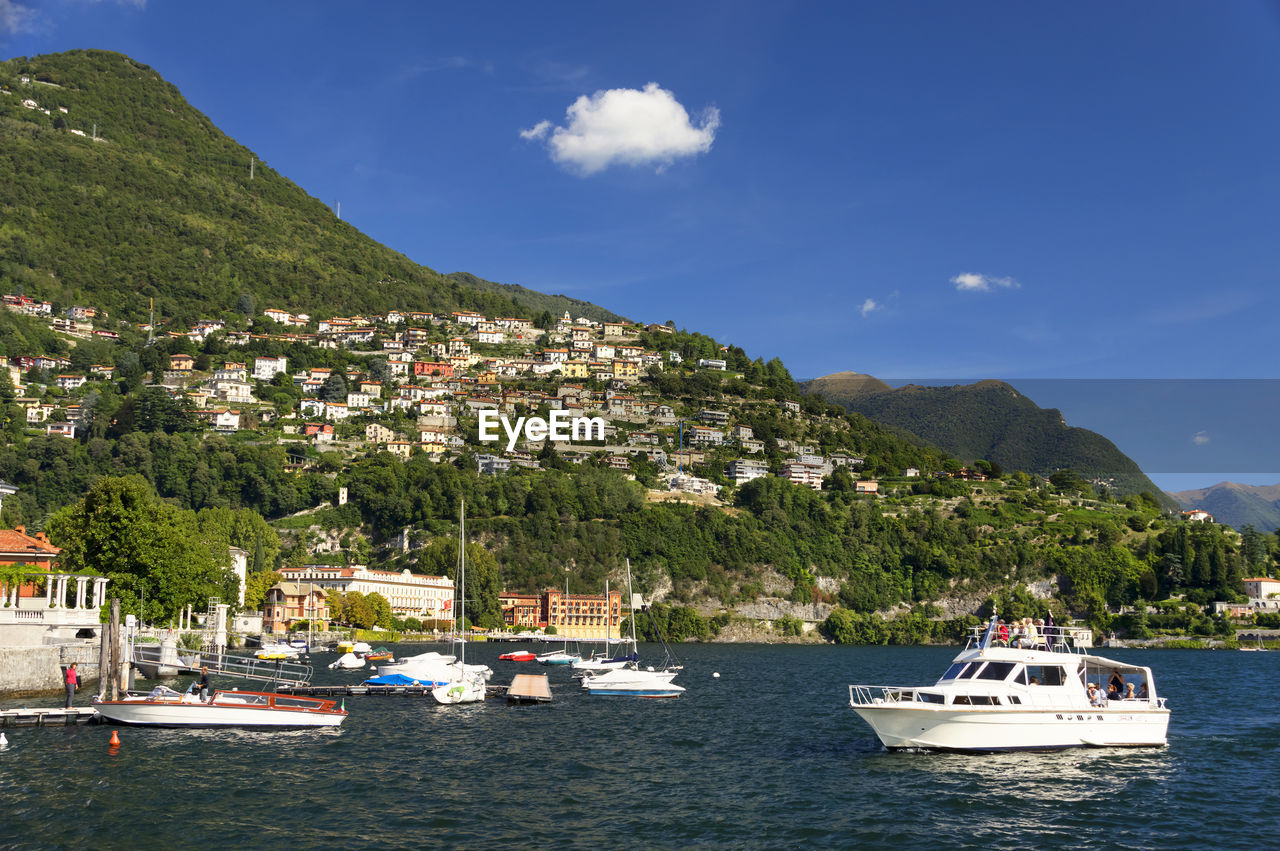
column 996, row 670
column 1043, row 675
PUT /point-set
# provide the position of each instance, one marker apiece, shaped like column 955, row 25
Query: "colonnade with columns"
column 55, row 591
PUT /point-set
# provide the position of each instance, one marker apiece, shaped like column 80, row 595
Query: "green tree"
column 381, row 609
column 147, row 547
column 358, row 611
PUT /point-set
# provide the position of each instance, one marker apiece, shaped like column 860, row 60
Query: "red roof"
column 17, row 542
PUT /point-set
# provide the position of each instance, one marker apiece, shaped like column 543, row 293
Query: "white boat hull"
column 628, row 682
column 979, row 729
column 558, row 659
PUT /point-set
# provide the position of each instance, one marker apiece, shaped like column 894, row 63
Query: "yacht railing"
column 874, row 695
column 1054, row 639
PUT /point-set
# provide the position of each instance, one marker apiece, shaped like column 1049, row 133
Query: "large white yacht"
column 996, row 697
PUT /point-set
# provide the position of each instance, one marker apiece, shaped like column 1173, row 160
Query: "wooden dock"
column 529, row 688
column 48, row 716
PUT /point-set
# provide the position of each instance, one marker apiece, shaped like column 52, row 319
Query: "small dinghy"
column 348, row 662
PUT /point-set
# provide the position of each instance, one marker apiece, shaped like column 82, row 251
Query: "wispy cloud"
column 16, row 18
column 1213, row 306
column 870, row 306
column 442, row 63
column 1200, row 438
column 636, row 127
column 968, row 282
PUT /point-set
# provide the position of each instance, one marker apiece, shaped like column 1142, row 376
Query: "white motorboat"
column 430, row 659
column 996, row 698
column 559, row 657
column 164, row 707
column 347, row 662
column 634, row 681
column 277, row 650
column 467, row 683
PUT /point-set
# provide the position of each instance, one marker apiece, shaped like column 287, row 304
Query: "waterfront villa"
column 292, row 602
column 589, row 616
column 56, row 615
column 409, row 594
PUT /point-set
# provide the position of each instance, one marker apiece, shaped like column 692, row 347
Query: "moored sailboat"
column 466, row 684
column 630, row 679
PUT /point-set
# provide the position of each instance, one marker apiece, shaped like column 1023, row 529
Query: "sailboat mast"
column 631, row 602
column 462, row 571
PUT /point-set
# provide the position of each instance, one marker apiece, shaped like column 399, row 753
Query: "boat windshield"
column 956, row 671
column 996, row 670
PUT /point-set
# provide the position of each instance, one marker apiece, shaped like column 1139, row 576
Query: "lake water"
column 766, row 755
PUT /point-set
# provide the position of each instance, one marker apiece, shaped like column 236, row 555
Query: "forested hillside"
column 124, row 193
column 990, row 420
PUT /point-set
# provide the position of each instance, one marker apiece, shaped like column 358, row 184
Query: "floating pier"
column 529, row 688
column 48, row 716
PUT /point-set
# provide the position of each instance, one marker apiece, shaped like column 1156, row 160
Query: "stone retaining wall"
column 39, row 670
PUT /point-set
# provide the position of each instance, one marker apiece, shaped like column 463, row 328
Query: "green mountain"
column 123, row 192
column 989, row 420
column 1236, row 505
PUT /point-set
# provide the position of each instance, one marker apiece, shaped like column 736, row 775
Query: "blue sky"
column 953, row 190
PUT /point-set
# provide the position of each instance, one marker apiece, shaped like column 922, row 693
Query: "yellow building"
column 575, row 369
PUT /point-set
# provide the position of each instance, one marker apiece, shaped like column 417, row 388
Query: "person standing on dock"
column 72, row 681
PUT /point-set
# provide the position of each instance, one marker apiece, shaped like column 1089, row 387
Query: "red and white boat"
column 519, row 656
column 164, row 707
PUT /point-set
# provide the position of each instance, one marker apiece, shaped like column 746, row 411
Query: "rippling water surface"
column 766, row 755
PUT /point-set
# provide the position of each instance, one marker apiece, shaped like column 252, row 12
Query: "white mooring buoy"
column 716, row 675
column 4, row 743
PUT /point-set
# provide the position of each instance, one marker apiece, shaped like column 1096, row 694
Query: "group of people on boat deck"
column 1027, row 633
column 1117, row 689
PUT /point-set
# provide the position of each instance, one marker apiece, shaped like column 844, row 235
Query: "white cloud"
column 870, row 306
column 967, row 282
column 15, row 18
column 1200, row 438
column 633, row 127
column 537, row 131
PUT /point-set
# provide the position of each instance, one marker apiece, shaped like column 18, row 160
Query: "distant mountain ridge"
column 988, row 420
column 117, row 191
column 1236, row 505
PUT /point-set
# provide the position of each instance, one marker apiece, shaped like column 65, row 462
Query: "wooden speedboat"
column 164, row 707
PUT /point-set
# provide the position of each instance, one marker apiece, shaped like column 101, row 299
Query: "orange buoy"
column 115, row 739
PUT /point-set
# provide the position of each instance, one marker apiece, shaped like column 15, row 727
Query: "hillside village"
column 425, row 377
